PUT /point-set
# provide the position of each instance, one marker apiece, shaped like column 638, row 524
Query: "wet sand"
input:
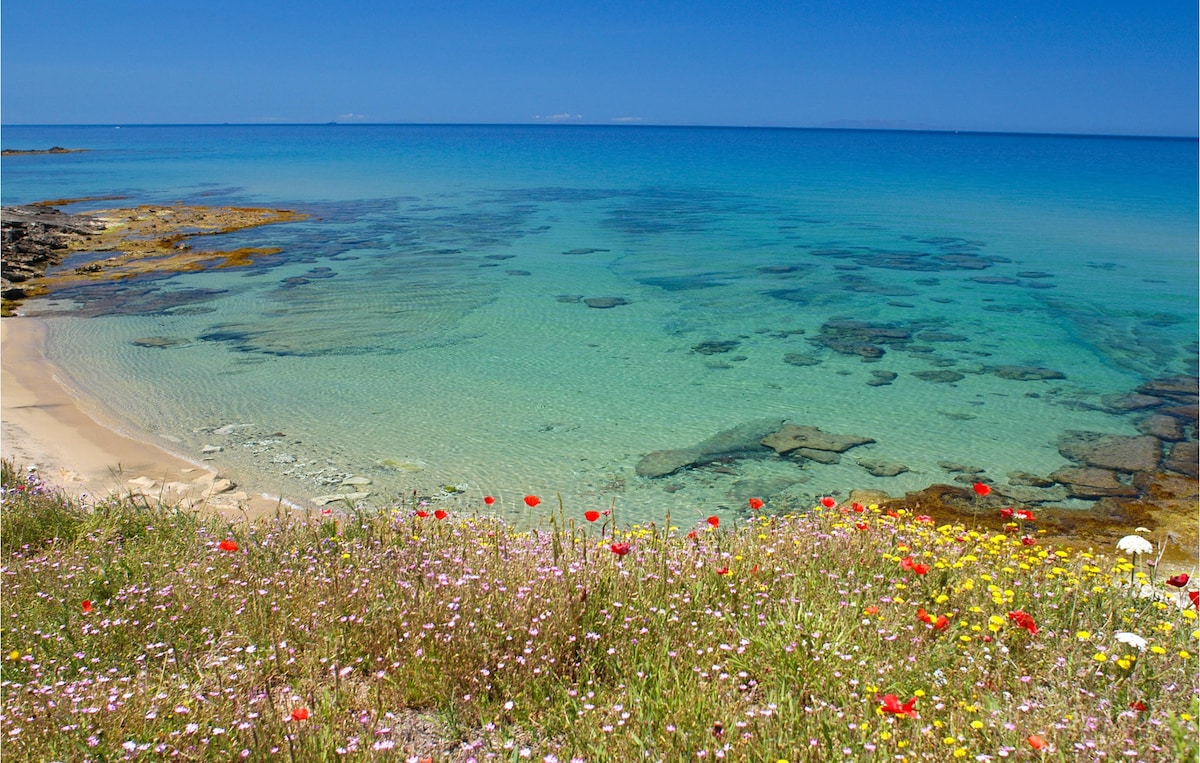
column 78, row 446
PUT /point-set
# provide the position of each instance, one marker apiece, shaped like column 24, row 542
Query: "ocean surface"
column 959, row 299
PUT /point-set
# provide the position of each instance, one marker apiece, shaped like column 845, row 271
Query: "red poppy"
column 874, row 610
column 828, row 502
column 591, row 516
column 300, row 714
column 326, row 512
column 924, row 519
column 722, row 570
column 942, row 623
column 692, row 535
column 981, row 489
column 892, row 514
column 1006, row 513
column 87, row 606
column 620, row 549
column 532, row 500
column 714, row 521
column 1195, row 597
column 1138, row 705
column 1024, row 620
column 906, row 563
column 422, row 514
column 439, row 514
column 489, row 500
column 891, row 704
column 924, row 616
column 858, row 507
column 920, row 569
column 754, row 570
column 1029, row 540
column 861, row 525
column 1025, row 514
column 756, row 503
column 1179, row 581
column 228, row 545
column 1036, row 742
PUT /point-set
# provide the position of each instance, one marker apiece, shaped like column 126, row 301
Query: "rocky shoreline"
column 1110, row 484
column 146, row 239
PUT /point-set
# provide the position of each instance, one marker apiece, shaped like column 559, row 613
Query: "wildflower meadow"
column 841, row 632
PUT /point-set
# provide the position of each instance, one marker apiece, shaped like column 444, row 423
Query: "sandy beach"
column 78, row 446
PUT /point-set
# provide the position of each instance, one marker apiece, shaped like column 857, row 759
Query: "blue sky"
column 1010, row 65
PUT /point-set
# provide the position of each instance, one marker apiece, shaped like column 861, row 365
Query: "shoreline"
column 72, row 441
column 81, row 447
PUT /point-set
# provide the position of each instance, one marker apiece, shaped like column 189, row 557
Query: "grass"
column 135, row 632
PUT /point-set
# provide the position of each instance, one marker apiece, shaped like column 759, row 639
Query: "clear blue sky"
column 1089, row 66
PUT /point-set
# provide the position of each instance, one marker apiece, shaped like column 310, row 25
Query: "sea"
column 476, row 310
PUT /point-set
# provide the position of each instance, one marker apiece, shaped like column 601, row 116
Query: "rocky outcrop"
column 739, row 442
column 793, row 437
column 147, row 239
column 35, row 238
column 1116, row 452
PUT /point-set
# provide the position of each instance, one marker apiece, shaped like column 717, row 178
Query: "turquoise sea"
column 957, row 298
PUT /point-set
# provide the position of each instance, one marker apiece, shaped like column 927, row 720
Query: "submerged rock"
column 939, row 377
column 880, row 467
column 1091, row 482
column 1117, row 452
column 161, row 342
column 605, row 302
column 1026, row 373
column 715, row 347
column 793, row 437
column 1027, row 479
column 881, row 378
column 742, row 441
column 1183, row 458
column 796, row 359
column 1163, row 427
column 1130, row 402
column 820, row 456
column 1181, row 388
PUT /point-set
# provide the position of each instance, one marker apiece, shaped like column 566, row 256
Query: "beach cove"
column 476, row 335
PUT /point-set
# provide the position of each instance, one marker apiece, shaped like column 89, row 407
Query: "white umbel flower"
column 1135, row 544
column 1132, row 639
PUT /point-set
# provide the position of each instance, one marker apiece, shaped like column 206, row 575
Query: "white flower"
column 1135, row 544
column 1132, row 639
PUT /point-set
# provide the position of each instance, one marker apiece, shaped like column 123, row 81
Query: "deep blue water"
column 438, row 334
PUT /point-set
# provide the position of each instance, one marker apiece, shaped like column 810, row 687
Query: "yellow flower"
column 885, row 735
column 950, row 740
column 942, row 599
column 14, row 655
column 960, row 753
column 1124, row 663
column 1100, row 657
column 919, row 693
column 976, row 724
column 1185, row 654
column 1189, row 614
column 1083, row 635
column 1158, row 649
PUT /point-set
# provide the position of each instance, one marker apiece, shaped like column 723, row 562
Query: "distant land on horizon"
column 864, row 125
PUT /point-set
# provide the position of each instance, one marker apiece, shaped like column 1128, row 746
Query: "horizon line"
column 618, row 125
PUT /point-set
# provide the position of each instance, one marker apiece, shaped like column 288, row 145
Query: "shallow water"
column 428, row 326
